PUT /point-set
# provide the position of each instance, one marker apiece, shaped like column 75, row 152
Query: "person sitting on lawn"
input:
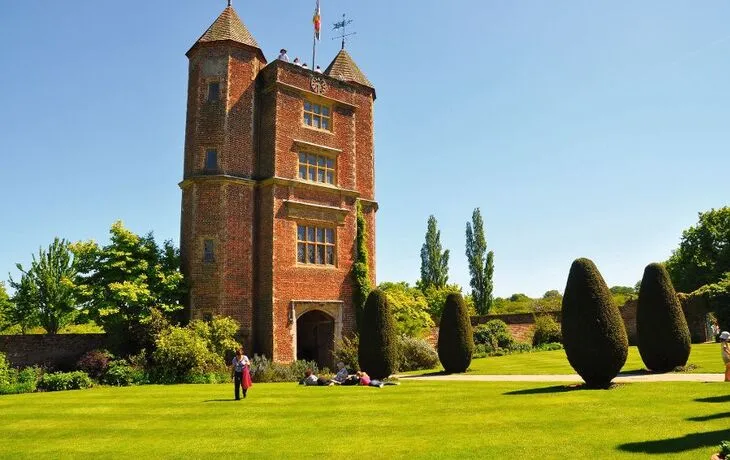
column 310, row 379
column 341, row 375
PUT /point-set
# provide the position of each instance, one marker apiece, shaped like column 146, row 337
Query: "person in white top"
column 317, row 69
column 297, row 61
column 241, row 374
column 725, row 347
column 283, row 56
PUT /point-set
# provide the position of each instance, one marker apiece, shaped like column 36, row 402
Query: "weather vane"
column 341, row 26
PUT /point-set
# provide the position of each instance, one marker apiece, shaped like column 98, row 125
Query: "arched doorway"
column 316, row 338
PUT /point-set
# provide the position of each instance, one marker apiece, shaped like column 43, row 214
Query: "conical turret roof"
column 228, row 26
column 344, row 68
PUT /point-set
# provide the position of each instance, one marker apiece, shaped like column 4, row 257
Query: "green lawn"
column 414, row 420
column 706, row 357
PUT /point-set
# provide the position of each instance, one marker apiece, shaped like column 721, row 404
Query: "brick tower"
column 276, row 158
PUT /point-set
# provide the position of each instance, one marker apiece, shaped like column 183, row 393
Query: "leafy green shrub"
column 494, row 333
column 455, row 342
column 60, row 381
column 377, row 353
column 5, row 370
column 21, row 381
column 181, row 355
column 122, row 374
column 548, row 347
column 724, row 449
column 264, row 370
column 95, row 363
column 664, row 341
column 520, row 347
column 218, row 334
column 346, row 351
column 409, row 307
column 547, row 330
column 415, row 354
column 594, row 335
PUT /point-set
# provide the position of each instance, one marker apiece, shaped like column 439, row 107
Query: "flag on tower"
column 317, row 20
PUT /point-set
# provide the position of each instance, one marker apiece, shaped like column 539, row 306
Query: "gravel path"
column 621, row 378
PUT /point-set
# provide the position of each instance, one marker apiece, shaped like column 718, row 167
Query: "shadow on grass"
column 714, row 399
column 706, row 418
column 219, row 400
column 545, row 390
column 673, row 445
column 425, row 374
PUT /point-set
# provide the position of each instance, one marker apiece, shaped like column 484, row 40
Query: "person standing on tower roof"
column 317, row 69
column 283, row 56
column 297, row 61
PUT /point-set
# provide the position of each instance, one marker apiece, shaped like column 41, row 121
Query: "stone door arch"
column 318, row 327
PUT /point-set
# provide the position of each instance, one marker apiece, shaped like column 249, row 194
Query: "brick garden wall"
column 52, row 351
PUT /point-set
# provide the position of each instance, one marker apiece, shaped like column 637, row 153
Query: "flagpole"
column 317, row 19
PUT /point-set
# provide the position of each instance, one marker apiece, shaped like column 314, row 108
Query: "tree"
column 125, row 280
column 664, row 341
column 434, row 260
column 456, row 339
column 377, row 352
column 703, row 256
column 360, row 269
column 436, row 299
column 551, row 294
column 6, row 306
column 46, row 292
column 481, row 265
column 409, row 307
column 593, row 332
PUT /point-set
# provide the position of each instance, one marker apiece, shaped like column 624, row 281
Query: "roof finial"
column 342, row 25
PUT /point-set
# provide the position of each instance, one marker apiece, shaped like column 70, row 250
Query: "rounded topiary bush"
column 594, row 336
column 377, row 351
column 663, row 334
column 456, row 341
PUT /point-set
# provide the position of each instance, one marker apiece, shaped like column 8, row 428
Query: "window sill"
column 319, row 130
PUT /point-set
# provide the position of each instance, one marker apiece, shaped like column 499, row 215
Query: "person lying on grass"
column 365, row 380
column 312, row 380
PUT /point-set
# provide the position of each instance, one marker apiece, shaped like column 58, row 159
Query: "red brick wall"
column 59, row 351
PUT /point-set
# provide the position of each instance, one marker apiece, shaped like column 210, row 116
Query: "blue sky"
column 580, row 128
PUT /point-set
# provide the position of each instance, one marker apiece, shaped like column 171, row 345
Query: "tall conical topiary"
column 456, row 341
column 377, row 351
column 594, row 336
column 664, row 340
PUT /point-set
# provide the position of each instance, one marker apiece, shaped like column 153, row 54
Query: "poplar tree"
column 481, row 264
column 434, row 260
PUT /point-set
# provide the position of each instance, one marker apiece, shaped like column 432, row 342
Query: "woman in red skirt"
column 241, row 373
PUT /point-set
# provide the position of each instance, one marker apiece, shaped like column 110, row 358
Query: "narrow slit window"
column 214, row 91
column 211, row 160
column 208, row 251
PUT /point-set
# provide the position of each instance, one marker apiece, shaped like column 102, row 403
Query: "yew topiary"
column 594, row 336
column 456, row 341
column 377, row 350
column 664, row 339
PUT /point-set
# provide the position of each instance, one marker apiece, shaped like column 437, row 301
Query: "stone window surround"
column 316, row 244
column 322, row 102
